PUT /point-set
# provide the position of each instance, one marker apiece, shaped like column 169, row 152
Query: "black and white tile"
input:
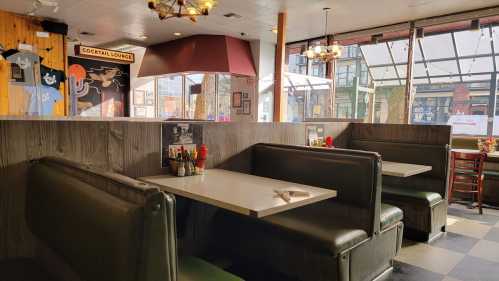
column 469, row 251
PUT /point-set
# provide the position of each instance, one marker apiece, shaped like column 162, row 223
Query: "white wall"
column 264, row 58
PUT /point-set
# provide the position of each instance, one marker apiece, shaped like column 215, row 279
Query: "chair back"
column 466, row 170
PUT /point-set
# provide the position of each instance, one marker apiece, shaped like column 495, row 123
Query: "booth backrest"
column 355, row 175
column 436, row 156
column 422, row 154
column 100, row 236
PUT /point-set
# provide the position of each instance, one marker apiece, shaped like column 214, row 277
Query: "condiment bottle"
column 181, row 169
column 202, row 155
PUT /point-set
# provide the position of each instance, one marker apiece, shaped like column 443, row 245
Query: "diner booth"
column 234, row 214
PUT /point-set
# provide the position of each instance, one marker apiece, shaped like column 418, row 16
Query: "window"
column 200, row 96
column 143, row 103
column 453, row 71
column 387, row 64
column 308, row 97
column 352, row 79
column 296, row 61
column 224, row 97
column 170, row 97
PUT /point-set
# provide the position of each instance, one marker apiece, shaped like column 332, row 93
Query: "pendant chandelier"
column 321, row 52
column 167, row 9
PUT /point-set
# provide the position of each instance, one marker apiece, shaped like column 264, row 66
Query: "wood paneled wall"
column 128, row 147
column 15, row 29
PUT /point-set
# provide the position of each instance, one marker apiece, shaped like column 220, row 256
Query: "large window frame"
column 489, row 24
column 183, row 96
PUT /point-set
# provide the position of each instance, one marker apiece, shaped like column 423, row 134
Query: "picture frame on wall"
column 139, row 97
column 237, row 100
column 247, row 107
column 140, row 111
column 245, row 96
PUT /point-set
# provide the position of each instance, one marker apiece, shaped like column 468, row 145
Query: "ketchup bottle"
column 202, row 155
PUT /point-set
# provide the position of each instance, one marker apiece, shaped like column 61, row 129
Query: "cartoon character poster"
column 98, row 88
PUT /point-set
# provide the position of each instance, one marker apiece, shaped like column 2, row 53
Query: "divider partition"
column 133, row 147
column 127, row 146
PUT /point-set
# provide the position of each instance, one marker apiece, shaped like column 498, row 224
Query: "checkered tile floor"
column 468, row 252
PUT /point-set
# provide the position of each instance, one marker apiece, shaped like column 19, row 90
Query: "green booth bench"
column 350, row 238
column 99, row 226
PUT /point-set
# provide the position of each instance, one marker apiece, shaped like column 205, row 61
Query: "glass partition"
column 170, row 96
column 143, row 103
column 224, row 97
column 200, row 96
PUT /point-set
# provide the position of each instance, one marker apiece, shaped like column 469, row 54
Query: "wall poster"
column 98, row 88
column 315, row 134
column 176, row 135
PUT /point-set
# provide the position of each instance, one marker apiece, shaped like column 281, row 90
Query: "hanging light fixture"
column 167, row 9
column 321, row 52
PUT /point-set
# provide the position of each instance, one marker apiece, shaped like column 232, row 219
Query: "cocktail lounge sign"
column 98, row 53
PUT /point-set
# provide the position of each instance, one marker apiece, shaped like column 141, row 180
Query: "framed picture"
column 245, row 96
column 315, row 133
column 149, row 98
column 247, row 107
column 237, row 99
column 139, row 97
column 140, row 111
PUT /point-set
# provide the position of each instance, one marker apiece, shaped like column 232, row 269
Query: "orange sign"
column 98, row 53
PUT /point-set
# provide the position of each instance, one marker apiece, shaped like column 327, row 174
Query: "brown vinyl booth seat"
column 423, row 197
column 350, row 238
column 99, row 226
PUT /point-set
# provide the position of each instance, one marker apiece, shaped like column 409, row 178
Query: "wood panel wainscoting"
column 18, row 29
column 119, row 145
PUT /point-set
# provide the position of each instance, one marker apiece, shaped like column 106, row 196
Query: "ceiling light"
column 324, row 53
column 177, row 34
column 168, row 9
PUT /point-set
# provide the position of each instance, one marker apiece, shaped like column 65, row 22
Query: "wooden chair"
column 466, row 175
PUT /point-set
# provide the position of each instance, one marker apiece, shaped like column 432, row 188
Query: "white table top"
column 241, row 193
column 494, row 154
column 403, row 170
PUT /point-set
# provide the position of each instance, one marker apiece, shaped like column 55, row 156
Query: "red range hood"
column 199, row 53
